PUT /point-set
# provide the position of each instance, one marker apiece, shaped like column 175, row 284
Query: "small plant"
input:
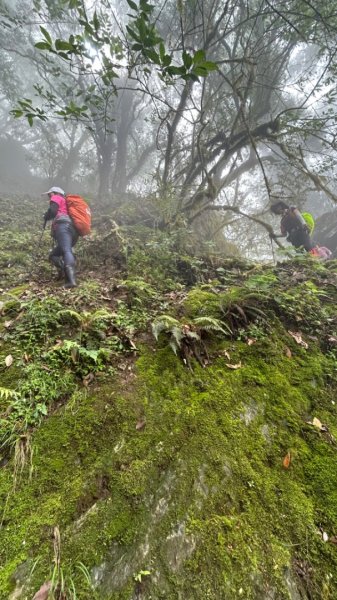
column 141, row 574
column 138, row 290
column 73, row 354
column 7, row 393
column 261, row 281
column 62, row 582
column 239, row 309
column 20, row 415
column 254, row 331
column 89, row 323
column 38, row 323
column 186, row 338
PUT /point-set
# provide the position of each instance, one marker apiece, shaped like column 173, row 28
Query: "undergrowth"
column 168, row 428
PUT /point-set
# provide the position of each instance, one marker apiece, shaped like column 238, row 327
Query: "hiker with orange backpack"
column 71, row 217
column 64, row 233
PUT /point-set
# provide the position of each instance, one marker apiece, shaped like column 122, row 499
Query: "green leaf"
column 132, row 5
column 187, row 59
column 63, row 45
column 30, row 119
column 88, row 29
column 175, row 70
column 152, row 55
column 137, row 47
column 157, row 40
column 133, row 34
column 167, row 60
column 209, row 65
column 145, row 6
column 95, row 21
column 192, row 77
column 63, row 55
column 200, row 71
column 46, row 34
column 162, row 51
column 42, row 46
column 199, row 56
column 16, row 113
column 142, row 28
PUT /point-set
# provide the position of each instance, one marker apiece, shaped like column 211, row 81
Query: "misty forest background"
column 168, row 428
column 182, row 114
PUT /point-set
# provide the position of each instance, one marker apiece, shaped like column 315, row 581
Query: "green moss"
column 179, row 471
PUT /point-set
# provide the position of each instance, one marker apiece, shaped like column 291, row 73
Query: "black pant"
column 66, row 237
column 300, row 238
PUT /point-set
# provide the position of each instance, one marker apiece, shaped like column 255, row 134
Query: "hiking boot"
column 70, row 277
column 57, row 261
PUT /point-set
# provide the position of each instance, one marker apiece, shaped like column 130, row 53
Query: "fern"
column 174, row 346
column 86, row 318
column 211, row 324
column 7, row 393
column 193, row 335
column 177, row 335
column 103, row 314
column 68, row 312
column 164, row 323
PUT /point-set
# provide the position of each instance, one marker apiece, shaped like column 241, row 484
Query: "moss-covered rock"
column 124, row 474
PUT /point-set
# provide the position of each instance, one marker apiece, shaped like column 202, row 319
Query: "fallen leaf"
column 298, row 338
column 325, row 536
column 9, row 360
column 287, row 352
column 74, row 354
column 317, row 423
column 88, row 379
column 323, row 428
column 237, row 366
column 333, row 539
column 7, row 324
column 43, row 592
column 140, row 425
column 251, row 341
column 57, row 345
column 287, row 460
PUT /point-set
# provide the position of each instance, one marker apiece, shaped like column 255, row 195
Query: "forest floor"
column 168, row 428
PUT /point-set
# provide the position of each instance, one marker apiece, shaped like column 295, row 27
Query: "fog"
column 95, row 109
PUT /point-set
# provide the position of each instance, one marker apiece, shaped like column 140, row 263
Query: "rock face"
column 130, row 473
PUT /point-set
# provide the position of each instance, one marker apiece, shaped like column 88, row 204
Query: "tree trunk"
column 104, row 144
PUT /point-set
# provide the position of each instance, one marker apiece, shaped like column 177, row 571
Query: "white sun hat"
column 55, row 190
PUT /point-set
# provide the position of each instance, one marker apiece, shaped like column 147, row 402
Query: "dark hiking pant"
column 301, row 238
column 66, row 237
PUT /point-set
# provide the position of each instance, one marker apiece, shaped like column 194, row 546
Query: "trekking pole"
column 35, row 255
column 272, row 249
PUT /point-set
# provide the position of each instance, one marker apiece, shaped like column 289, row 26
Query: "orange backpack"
column 80, row 213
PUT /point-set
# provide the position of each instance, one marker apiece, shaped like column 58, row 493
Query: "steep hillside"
column 168, row 428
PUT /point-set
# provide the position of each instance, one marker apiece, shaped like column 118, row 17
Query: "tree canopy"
column 207, row 106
